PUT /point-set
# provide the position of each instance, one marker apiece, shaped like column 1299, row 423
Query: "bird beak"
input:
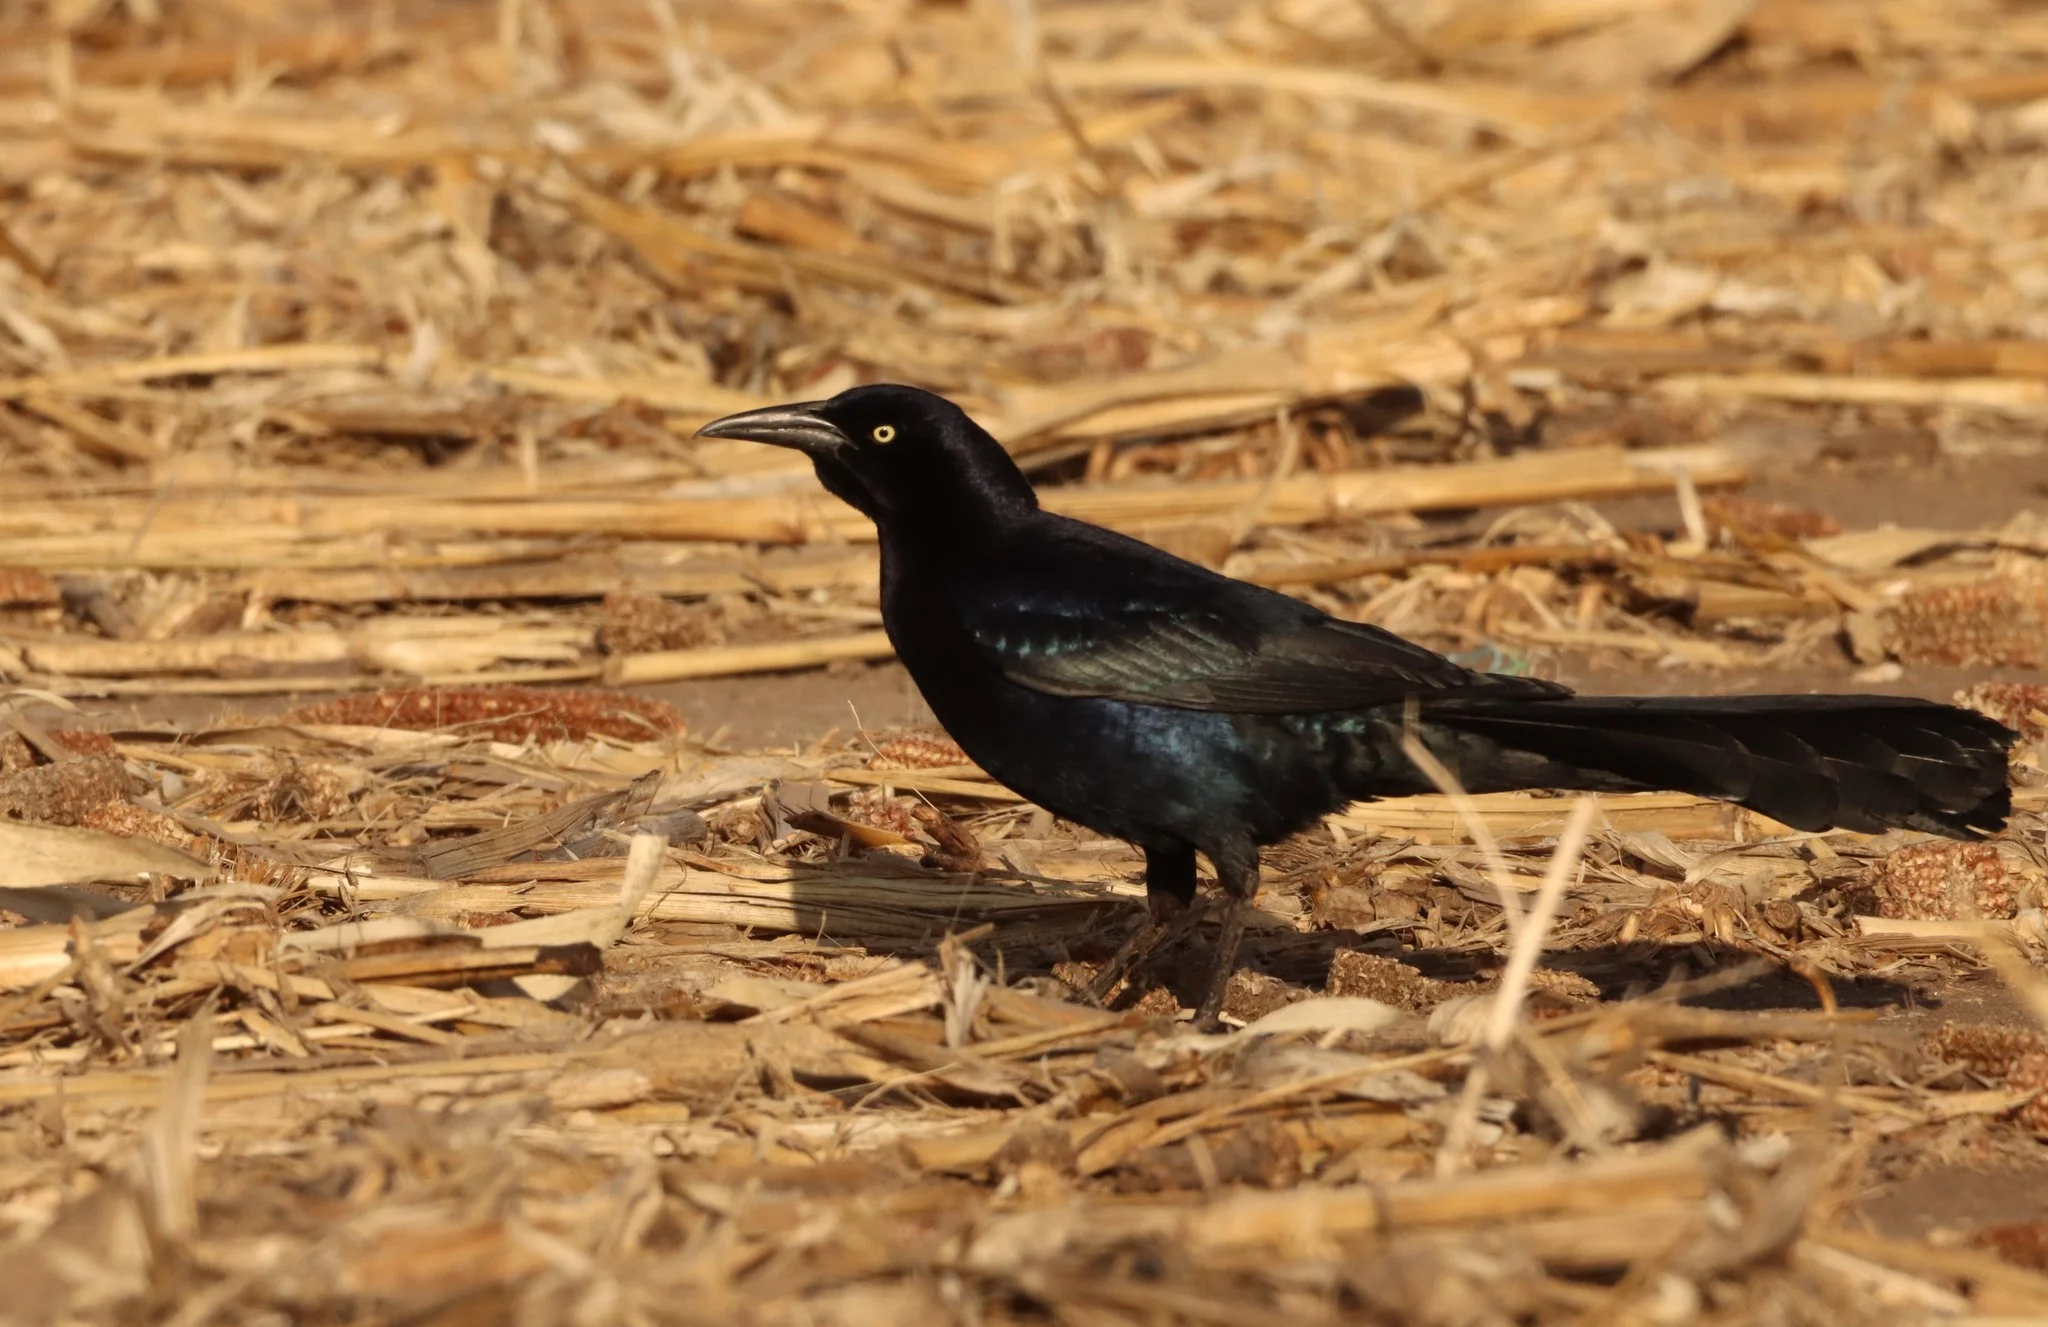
column 799, row 426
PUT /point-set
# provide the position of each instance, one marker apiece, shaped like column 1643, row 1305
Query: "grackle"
column 1157, row 701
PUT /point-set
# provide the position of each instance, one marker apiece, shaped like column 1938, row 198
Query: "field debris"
column 608, row 970
column 349, row 362
column 383, row 372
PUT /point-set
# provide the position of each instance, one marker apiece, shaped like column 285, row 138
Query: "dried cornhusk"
column 352, row 351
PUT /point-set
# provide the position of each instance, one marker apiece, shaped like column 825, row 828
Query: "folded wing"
column 1161, row 635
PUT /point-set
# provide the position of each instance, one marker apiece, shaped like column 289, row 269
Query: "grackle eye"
column 884, row 433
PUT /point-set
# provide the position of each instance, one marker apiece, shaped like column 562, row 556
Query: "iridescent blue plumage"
column 1157, row 701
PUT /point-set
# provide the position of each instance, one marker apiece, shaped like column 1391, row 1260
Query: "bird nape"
column 1159, row 702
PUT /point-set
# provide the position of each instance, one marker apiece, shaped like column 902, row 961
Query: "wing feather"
column 1204, row 661
column 1082, row 611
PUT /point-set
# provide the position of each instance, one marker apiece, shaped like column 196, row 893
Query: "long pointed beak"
column 799, row 426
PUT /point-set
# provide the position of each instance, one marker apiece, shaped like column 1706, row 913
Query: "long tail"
column 1866, row 763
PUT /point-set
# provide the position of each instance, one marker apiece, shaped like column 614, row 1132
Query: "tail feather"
column 1867, row 763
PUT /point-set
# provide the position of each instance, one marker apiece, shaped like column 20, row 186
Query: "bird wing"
column 1176, row 635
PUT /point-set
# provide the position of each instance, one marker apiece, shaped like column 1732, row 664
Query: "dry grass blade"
column 1469, row 818
column 1506, row 1003
column 33, row 856
column 170, row 1145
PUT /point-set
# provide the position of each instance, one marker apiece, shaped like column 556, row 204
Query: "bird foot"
column 1154, row 934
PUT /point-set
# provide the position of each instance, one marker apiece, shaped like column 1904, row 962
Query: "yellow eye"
column 884, row 433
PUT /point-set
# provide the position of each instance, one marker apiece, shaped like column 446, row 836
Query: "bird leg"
column 1170, row 914
column 1238, row 874
column 1224, row 964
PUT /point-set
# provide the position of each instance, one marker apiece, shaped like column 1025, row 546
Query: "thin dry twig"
column 1506, row 1003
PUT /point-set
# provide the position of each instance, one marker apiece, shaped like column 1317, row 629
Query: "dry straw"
column 358, row 349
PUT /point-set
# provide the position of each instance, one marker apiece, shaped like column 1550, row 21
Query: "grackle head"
column 898, row 454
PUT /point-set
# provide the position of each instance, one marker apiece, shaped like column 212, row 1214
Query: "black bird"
column 1157, row 701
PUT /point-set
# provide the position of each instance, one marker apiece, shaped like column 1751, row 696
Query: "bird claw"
column 1156, row 934
column 1153, row 934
